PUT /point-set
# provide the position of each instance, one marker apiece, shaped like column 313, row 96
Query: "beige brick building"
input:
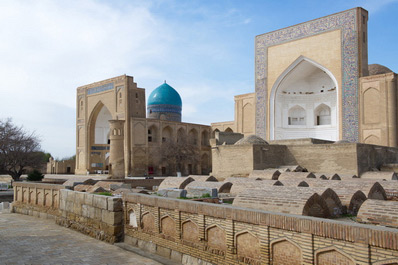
column 313, row 80
column 114, row 135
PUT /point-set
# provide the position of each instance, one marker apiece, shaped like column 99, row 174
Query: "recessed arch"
column 285, row 251
column 205, row 138
column 372, row 139
column 247, row 246
column 216, row 237
column 193, row 136
column 190, row 231
column 228, row 130
column 322, row 115
column 213, row 134
column 168, row 226
column 308, row 82
column 181, row 135
column 332, row 255
column 167, row 134
column 98, row 124
column 153, row 133
column 296, row 115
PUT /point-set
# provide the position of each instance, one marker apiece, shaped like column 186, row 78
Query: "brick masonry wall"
column 95, row 215
column 40, row 200
column 185, row 231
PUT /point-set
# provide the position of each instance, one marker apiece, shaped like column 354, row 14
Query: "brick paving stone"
column 30, row 240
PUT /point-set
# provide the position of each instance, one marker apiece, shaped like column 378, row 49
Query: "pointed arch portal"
column 304, row 103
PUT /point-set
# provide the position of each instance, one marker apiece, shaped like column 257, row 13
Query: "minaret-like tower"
column 116, row 156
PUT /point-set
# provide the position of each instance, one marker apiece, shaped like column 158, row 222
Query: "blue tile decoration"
column 99, row 89
column 165, row 108
column 99, row 147
column 346, row 22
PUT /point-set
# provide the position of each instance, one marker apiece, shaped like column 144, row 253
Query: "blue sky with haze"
column 204, row 49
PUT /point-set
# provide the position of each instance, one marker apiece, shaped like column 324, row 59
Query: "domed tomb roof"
column 377, row 69
column 251, row 139
column 164, row 95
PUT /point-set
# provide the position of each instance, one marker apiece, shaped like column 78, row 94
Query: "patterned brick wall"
column 230, row 235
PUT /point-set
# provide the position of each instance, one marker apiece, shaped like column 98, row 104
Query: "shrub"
column 35, row 176
column 105, row 193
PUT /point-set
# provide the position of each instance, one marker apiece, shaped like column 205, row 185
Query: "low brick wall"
column 189, row 231
column 37, row 199
column 95, row 215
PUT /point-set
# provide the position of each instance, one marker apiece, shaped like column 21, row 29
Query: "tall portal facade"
column 114, row 135
column 312, row 80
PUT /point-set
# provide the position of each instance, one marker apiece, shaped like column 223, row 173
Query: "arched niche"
column 307, row 84
column 216, row 238
column 332, row 255
column 372, row 139
column 132, row 219
column 248, row 246
column 181, row 135
column 213, row 134
column 286, row 252
column 296, row 116
column 371, row 98
column 248, row 117
column 148, row 222
column 190, row 231
column 205, row 138
column 322, row 115
column 168, row 226
column 228, row 130
column 153, row 134
column 193, row 137
column 167, row 134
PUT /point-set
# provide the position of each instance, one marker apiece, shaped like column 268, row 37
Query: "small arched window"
column 296, row 116
column 322, row 115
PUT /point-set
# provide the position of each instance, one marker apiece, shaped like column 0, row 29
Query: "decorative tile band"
column 99, row 147
column 346, row 22
column 164, row 108
column 99, row 89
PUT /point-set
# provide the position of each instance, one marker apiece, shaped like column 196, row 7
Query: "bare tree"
column 19, row 149
column 180, row 152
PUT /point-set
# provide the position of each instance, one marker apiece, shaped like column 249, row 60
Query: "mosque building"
column 313, row 80
column 115, row 135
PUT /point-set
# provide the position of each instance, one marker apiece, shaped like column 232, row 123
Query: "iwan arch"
column 313, row 81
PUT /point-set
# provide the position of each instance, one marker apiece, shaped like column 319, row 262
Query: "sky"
column 203, row 48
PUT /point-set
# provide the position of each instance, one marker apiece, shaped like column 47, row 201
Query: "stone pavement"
column 30, row 240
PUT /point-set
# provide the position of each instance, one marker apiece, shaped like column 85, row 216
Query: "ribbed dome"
column 164, row 95
column 251, row 139
column 377, row 69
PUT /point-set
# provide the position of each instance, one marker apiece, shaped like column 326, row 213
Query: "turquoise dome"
column 164, row 95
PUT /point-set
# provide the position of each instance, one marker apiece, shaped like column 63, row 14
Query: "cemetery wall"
column 192, row 232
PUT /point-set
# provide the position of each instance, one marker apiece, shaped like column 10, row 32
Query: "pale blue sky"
column 204, row 49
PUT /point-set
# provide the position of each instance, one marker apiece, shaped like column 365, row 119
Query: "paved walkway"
column 30, row 240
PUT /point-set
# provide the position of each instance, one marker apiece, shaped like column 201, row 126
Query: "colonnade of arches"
column 297, row 115
column 167, row 133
